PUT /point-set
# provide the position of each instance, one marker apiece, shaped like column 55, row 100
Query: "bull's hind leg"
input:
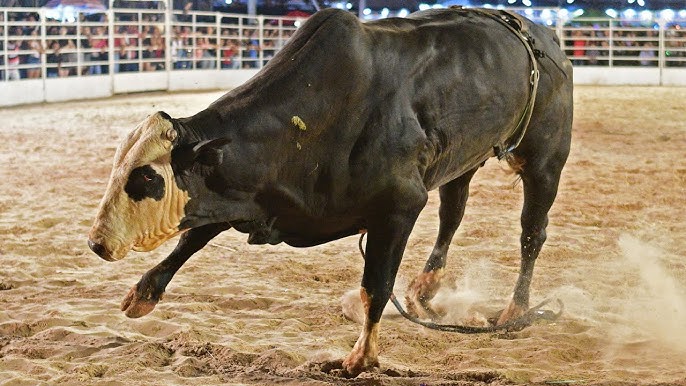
column 423, row 288
column 144, row 296
column 540, row 182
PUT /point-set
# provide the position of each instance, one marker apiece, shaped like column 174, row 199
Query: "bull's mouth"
column 105, row 253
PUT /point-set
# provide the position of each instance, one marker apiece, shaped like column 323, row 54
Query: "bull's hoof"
column 136, row 304
column 421, row 290
column 357, row 363
column 511, row 312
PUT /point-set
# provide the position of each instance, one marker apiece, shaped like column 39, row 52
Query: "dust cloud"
column 654, row 305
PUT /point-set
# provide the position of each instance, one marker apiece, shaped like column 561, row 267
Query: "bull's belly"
column 307, row 232
column 446, row 169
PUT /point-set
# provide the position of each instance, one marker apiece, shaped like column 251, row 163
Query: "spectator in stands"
column 13, row 61
column 69, row 59
column 178, row 50
column 126, row 49
column 68, row 55
column 31, row 20
column 626, row 49
column 85, row 47
column 54, row 59
column 648, row 54
column 156, row 50
column 230, row 54
column 593, row 52
column 98, row 42
column 34, row 45
column 251, row 50
column 203, row 56
column 579, row 44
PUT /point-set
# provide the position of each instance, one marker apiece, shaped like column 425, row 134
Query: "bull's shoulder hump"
column 332, row 18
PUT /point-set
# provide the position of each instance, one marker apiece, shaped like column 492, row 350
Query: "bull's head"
column 143, row 205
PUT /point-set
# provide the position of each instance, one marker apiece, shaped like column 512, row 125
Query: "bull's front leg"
column 144, row 296
column 387, row 238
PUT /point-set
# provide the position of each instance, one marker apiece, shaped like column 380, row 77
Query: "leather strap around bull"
column 518, row 26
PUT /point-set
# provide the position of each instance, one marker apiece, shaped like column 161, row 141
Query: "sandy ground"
column 240, row 314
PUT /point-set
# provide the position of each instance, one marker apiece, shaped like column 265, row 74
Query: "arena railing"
column 176, row 48
column 616, row 42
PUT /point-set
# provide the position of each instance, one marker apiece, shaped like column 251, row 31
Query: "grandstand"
column 65, row 49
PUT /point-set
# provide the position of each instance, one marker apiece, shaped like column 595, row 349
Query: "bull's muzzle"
column 99, row 250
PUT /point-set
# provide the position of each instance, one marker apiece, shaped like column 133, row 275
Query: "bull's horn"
column 170, row 134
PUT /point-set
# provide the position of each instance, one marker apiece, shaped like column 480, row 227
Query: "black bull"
column 351, row 124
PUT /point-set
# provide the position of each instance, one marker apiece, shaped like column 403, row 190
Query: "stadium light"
column 570, row 1
column 646, row 15
column 629, row 13
column 611, row 13
column 667, row 14
column 403, row 12
column 527, row 3
column 641, row 3
column 424, row 6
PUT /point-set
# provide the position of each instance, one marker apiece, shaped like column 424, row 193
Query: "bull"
column 345, row 131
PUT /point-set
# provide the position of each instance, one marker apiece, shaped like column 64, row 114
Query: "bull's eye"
column 144, row 182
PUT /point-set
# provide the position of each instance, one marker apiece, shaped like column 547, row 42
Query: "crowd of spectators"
column 71, row 49
column 200, row 41
column 637, row 46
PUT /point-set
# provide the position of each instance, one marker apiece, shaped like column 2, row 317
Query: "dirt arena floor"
column 240, row 314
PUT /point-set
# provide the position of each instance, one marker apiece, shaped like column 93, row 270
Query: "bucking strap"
column 518, row 26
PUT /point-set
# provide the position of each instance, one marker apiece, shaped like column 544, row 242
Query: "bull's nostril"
column 98, row 249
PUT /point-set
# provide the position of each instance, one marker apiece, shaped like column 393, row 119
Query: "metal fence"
column 136, row 40
column 127, row 40
column 612, row 42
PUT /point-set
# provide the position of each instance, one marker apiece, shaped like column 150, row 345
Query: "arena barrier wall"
column 171, row 50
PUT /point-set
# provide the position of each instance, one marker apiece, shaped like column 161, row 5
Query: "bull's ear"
column 208, row 153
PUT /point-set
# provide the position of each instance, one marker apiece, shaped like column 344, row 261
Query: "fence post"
column 260, row 41
column 110, row 45
column 43, row 55
column 168, row 62
column 79, row 52
column 661, row 48
column 5, row 42
column 611, row 45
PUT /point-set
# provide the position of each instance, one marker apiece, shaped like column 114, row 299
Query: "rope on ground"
column 530, row 317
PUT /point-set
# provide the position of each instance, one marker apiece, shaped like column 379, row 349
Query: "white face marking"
column 140, row 221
